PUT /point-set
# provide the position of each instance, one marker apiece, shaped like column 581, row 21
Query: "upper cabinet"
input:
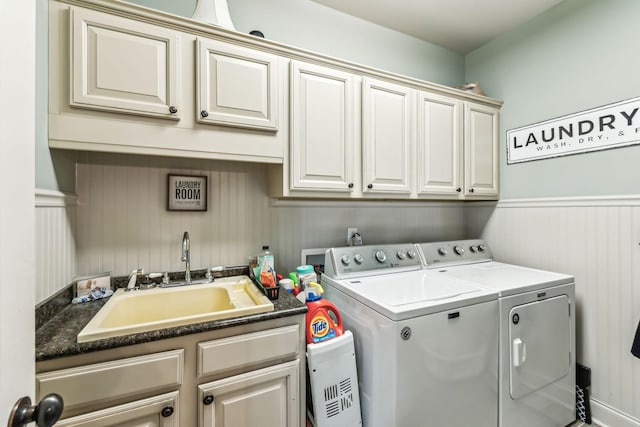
column 323, row 128
column 124, row 66
column 439, row 145
column 237, row 86
column 127, row 79
column 135, row 84
column 481, row 151
column 387, row 137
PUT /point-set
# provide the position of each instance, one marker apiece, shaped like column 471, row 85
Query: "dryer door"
column 539, row 334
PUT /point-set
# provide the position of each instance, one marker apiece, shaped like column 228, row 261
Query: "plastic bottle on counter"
column 305, row 275
column 266, row 256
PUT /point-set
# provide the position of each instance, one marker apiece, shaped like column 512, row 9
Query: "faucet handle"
column 211, row 270
column 165, row 278
column 133, row 278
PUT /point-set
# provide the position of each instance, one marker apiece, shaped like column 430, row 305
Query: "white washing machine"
column 537, row 331
column 426, row 344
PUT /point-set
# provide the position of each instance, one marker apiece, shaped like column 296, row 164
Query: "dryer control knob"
column 401, row 255
column 473, row 249
column 459, row 250
column 442, row 251
column 482, row 248
column 346, row 259
column 358, row 258
column 411, row 254
column 381, row 256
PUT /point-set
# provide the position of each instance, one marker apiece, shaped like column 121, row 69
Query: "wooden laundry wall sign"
column 610, row 126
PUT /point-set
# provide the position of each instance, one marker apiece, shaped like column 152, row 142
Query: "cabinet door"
column 236, row 86
column 266, row 397
column 387, row 137
column 481, row 150
column 323, row 121
column 123, row 65
column 439, row 145
column 157, row 411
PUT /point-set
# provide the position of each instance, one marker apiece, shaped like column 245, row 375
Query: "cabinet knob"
column 173, row 109
column 458, row 189
column 204, row 113
column 370, row 186
column 471, row 190
column 350, row 185
column 208, row 399
column 167, row 411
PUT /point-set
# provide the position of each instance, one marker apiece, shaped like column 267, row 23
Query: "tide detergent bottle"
column 323, row 319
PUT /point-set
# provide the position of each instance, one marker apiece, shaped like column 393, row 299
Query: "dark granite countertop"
column 57, row 337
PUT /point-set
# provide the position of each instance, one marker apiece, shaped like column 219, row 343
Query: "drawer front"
column 157, row 411
column 101, row 382
column 244, row 351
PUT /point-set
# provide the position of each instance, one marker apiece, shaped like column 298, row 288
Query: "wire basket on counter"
column 271, row 292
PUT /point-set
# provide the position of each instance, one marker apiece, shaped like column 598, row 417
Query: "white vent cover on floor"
column 334, row 382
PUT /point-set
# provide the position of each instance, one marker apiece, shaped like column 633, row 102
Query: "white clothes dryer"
column 537, row 331
column 426, row 344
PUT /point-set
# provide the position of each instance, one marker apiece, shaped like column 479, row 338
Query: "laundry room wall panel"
column 55, row 244
column 598, row 241
column 123, row 222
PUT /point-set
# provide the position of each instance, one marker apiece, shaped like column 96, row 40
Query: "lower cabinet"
column 158, row 411
column 242, row 376
column 265, row 397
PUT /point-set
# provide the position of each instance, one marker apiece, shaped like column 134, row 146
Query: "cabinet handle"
column 458, row 189
column 173, row 110
column 350, row 185
column 204, row 113
column 167, row 411
column 471, row 190
column 370, row 186
column 208, row 399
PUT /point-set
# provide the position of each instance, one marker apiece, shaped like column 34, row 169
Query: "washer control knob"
column 473, row 249
column 346, row 259
column 482, row 248
column 358, row 258
column 381, row 256
column 401, row 255
column 411, row 254
column 459, row 250
column 442, row 251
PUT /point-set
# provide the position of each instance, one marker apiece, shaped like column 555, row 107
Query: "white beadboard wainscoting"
column 598, row 241
column 55, row 243
column 123, row 223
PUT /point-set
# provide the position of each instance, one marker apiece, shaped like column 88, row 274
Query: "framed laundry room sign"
column 187, row 193
column 610, row 126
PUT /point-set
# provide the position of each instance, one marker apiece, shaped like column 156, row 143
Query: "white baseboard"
column 605, row 416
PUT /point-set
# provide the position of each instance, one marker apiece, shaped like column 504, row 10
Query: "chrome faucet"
column 133, row 278
column 186, row 256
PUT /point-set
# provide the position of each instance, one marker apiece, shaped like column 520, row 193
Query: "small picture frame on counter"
column 187, row 193
column 86, row 284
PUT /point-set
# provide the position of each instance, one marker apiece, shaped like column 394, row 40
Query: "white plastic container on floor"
column 333, row 381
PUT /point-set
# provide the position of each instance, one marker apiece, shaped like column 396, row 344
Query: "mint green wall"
column 314, row 27
column 578, row 55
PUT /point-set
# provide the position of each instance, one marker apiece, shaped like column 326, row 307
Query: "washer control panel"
column 439, row 254
column 369, row 259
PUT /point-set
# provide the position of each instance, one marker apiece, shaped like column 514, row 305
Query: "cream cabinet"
column 135, row 83
column 387, row 137
column 323, row 128
column 439, row 145
column 124, row 66
column 245, row 375
column 480, row 151
column 265, row 397
column 236, row 86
